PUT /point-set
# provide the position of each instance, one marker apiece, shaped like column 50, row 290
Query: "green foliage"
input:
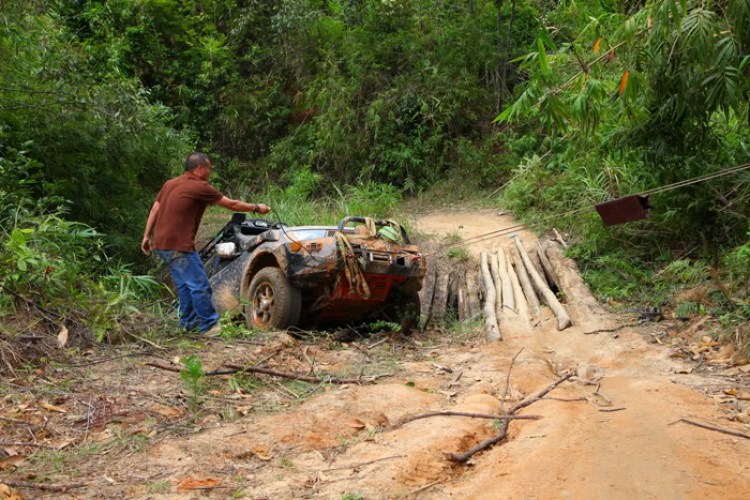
column 85, row 135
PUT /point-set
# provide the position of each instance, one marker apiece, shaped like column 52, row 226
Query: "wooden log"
column 427, row 295
column 472, row 295
column 495, row 271
column 563, row 320
column 523, row 276
column 440, row 301
column 548, row 269
column 463, row 312
column 491, row 328
column 508, row 296
column 522, row 307
column 452, row 302
column 589, row 313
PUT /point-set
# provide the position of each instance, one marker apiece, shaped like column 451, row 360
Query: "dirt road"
column 346, row 441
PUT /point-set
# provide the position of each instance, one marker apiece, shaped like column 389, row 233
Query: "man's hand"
column 262, row 209
column 146, row 245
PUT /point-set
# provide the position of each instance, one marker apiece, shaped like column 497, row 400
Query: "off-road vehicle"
column 282, row 277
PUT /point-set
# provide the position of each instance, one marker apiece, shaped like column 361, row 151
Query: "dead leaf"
column 356, row 423
column 62, row 337
column 684, row 371
column 12, row 462
column 243, row 410
column 167, row 411
column 176, row 360
column 263, row 452
column 6, row 493
column 53, row 408
column 196, row 484
column 745, row 368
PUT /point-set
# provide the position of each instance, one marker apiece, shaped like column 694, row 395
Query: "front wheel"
column 273, row 301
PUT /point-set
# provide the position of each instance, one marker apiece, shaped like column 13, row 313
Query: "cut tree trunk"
column 548, row 269
column 441, row 299
column 427, row 294
column 522, row 308
column 472, row 295
column 563, row 320
column 491, row 328
column 523, row 276
column 588, row 312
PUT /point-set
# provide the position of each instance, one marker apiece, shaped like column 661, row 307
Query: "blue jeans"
column 193, row 288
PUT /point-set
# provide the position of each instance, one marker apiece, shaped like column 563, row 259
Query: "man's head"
column 198, row 163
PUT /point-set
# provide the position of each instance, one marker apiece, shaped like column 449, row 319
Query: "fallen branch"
column 423, row 488
column 469, row 415
column 265, row 371
column 609, row 330
column 612, row 409
column 59, row 488
column 712, row 428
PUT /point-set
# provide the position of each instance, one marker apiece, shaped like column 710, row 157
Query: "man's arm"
column 241, row 206
column 146, row 243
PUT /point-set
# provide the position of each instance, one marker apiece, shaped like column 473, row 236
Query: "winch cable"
column 658, row 190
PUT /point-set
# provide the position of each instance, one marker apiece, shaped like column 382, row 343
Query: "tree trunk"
column 522, row 307
column 582, row 304
column 531, row 297
column 548, row 270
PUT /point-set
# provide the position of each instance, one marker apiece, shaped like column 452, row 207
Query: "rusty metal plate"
column 622, row 210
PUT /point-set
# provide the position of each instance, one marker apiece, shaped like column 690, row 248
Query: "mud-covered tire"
column 273, row 302
column 404, row 308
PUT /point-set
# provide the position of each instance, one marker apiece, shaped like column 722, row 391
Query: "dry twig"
column 469, row 415
column 254, row 369
column 712, row 428
column 59, row 488
column 357, row 466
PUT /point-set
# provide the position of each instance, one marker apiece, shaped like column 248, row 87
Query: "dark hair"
column 195, row 160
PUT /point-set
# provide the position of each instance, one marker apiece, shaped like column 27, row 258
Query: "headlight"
column 226, row 249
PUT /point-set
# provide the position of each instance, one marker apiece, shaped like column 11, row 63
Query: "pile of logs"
column 512, row 285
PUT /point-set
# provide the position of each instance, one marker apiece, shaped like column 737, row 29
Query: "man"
column 175, row 218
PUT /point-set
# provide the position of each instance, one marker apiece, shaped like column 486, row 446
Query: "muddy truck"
column 306, row 276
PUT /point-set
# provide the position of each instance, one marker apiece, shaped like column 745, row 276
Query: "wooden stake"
column 563, row 320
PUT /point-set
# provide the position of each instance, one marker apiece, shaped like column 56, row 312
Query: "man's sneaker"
column 215, row 331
